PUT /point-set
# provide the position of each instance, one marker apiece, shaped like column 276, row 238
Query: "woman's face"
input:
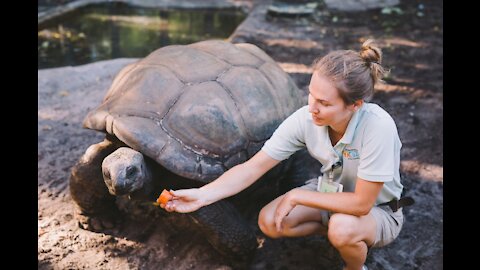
column 325, row 104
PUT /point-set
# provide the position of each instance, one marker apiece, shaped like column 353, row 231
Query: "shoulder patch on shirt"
column 351, row 154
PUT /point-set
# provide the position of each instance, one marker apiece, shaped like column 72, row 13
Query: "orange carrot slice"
column 164, row 197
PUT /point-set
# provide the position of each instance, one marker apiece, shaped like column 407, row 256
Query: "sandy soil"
column 413, row 94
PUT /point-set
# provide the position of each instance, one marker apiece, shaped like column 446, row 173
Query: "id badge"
column 328, row 186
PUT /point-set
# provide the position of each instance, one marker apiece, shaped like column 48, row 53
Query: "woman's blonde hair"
column 353, row 73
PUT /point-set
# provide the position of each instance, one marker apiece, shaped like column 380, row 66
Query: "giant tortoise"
column 179, row 118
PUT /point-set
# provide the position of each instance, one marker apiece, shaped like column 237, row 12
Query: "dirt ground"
column 412, row 41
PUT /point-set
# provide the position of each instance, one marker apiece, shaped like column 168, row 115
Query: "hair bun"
column 370, row 53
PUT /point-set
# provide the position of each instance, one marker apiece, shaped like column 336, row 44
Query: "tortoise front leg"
column 95, row 206
column 226, row 230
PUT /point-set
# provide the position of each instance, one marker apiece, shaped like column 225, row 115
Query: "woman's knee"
column 266, row 223
column 341, row 229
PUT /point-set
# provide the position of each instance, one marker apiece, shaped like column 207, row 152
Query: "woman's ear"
column 357, row 104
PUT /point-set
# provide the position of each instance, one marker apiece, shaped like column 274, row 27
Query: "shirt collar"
column 352, row 125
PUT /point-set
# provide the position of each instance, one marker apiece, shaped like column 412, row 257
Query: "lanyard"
column 331, row 171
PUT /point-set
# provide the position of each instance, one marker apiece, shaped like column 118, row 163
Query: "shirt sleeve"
column 288, row 138
column 377, row 156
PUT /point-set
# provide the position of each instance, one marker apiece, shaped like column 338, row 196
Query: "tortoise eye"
column 131, row 170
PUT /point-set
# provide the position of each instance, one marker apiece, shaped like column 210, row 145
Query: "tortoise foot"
column 97, row 223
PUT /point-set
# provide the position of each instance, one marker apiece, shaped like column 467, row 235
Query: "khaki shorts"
column 389, row 223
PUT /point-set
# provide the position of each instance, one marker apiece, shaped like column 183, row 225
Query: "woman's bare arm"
column 228, row 184
column 238, row 177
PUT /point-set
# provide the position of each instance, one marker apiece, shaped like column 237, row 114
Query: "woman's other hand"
column 283, row 208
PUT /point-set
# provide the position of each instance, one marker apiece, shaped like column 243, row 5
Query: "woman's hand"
column 284, row 207
column 185, row 201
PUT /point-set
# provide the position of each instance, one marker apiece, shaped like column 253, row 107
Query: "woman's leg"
column 301, row 221
column 351, row 235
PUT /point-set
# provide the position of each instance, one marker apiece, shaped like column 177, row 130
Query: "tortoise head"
column 125, row 171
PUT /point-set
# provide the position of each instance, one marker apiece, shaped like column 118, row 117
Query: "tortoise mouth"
column 120, row 190
column 123, row 188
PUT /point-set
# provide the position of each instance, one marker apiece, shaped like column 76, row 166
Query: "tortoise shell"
column 198, row 109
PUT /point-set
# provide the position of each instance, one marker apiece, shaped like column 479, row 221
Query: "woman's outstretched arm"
column 228, row 184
